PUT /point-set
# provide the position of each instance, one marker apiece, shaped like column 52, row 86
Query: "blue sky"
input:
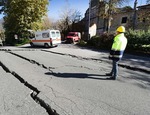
column 56, row 6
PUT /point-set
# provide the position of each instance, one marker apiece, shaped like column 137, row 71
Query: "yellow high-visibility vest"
column 120, row 42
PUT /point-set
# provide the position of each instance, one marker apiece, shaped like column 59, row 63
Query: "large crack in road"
column 101, row 60
column 34, row 91
column 79, row 57
column 44, row 66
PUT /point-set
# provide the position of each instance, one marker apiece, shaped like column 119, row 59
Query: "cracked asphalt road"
column 76, row 86
column 15, row 99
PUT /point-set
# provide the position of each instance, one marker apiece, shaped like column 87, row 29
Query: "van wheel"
column 31, row 44
column 46, row 45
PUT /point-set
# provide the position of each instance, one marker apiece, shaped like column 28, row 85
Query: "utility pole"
column 109, row 15
column 89, row 20
column 135, row 14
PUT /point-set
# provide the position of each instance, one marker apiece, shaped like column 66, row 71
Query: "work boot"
column 111, row 78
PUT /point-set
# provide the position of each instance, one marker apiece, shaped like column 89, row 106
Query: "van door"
column 52, row 37
column 46, row 39
column 38, row 37
column 58, row 37
column 35, row 40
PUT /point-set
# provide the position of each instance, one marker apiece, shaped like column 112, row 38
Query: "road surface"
column 50, row 83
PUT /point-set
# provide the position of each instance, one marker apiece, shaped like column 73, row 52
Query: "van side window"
column 53, row 34
column 57, row 34
column 45, row 35
column 38, row 35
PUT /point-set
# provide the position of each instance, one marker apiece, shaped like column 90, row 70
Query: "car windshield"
column 71, row 34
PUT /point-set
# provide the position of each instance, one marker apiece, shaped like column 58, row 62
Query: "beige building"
column 143, row 17
column 98, row 13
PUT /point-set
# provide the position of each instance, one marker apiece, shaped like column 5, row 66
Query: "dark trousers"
column 114, row 70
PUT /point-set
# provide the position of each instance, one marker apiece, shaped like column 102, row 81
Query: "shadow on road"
column 78, row 75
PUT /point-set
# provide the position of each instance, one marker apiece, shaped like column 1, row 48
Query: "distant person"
column 117, row 50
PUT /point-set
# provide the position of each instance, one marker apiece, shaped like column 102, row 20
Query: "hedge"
column 138, row 41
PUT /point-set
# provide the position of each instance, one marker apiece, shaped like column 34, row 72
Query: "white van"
column 46, row 38
column 1, row 42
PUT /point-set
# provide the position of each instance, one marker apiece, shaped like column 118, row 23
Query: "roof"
column 147, row 6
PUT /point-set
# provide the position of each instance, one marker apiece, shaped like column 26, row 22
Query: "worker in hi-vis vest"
column 117, row 50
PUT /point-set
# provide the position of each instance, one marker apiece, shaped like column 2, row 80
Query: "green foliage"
column 148, row 1
column 22, row 15
column 138, row 40
column 127, row 8
column 94, row 41
column 82, row 43
column 103, row 41
column 22, row 41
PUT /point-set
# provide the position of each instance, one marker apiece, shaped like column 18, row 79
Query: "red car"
column 73, row 37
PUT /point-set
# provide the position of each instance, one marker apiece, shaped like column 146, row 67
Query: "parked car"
column 73, row 37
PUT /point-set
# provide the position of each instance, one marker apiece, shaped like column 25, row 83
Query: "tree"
column 68, row 19
column 127, row 8
column 21, row 15
column 111, row 7
column 46, row 23
column 148, row 1
column 135, row 14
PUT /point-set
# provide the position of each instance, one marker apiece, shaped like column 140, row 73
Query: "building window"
column 144, row 20
column 124, row 20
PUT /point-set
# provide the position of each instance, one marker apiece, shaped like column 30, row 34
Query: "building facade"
column 97, row 14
